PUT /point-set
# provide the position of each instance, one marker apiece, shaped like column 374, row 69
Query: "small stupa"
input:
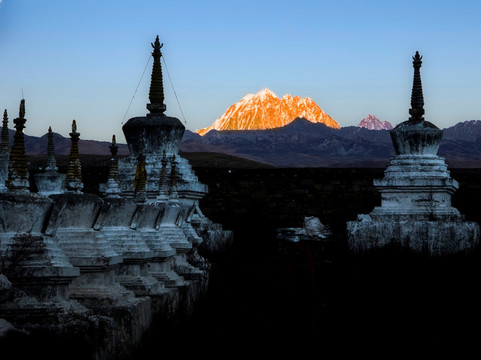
column 50, row 181
column 416, row 190
column 74, row 182
column 4, row 152
column 112, row 188
column 17, row 167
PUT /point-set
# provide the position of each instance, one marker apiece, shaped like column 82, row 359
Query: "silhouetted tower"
column 156, row 92
column 17, row 166
column 74, row 169
column 5, row 138
column 416, row 136
column 51, row 162
column 114, row 166
column 4, row 152
column 417, row 99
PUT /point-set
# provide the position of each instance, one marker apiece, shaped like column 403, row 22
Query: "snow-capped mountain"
column 371, row 122
column 265, row 110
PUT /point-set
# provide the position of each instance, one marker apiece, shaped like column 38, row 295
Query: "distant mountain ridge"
column 265, row 110
column 38, row 145
column 305, row 144
column 301, row 143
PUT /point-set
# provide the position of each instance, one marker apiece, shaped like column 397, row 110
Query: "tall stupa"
column 416, row 190
column 153, row 141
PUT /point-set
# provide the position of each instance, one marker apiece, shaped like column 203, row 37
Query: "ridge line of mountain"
column 301, row 143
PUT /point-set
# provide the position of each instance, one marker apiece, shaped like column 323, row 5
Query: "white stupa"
column 416, row 191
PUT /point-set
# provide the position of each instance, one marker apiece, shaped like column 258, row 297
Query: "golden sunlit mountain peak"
column 265, row 110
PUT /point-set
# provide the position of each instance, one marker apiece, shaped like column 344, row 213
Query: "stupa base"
column 432, row 238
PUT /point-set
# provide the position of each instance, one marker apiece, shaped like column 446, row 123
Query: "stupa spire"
column 51, row 162
column 156, row 92
column 17, row 166
column 5, row 144
column 113, row 186
column 74, row 170
column 114, row 171
column 417, row 99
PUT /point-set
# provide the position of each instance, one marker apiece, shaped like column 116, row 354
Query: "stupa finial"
column 156, row 93
column 5, row 144
column 417, row 99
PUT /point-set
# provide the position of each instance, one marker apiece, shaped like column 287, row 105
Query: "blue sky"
column 83, row 60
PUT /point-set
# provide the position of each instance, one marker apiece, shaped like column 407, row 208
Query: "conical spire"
column 417, row 100
column 51, row 162
column 17, row 167
column 74, row 170
column 156, row 93
column 5, row 144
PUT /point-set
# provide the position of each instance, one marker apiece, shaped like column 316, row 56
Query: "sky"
column 85, row 60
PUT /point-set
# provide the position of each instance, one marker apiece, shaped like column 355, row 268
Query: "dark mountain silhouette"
column 301, row 143
column 38, row 145
column 464, row 131
column 305, row 144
